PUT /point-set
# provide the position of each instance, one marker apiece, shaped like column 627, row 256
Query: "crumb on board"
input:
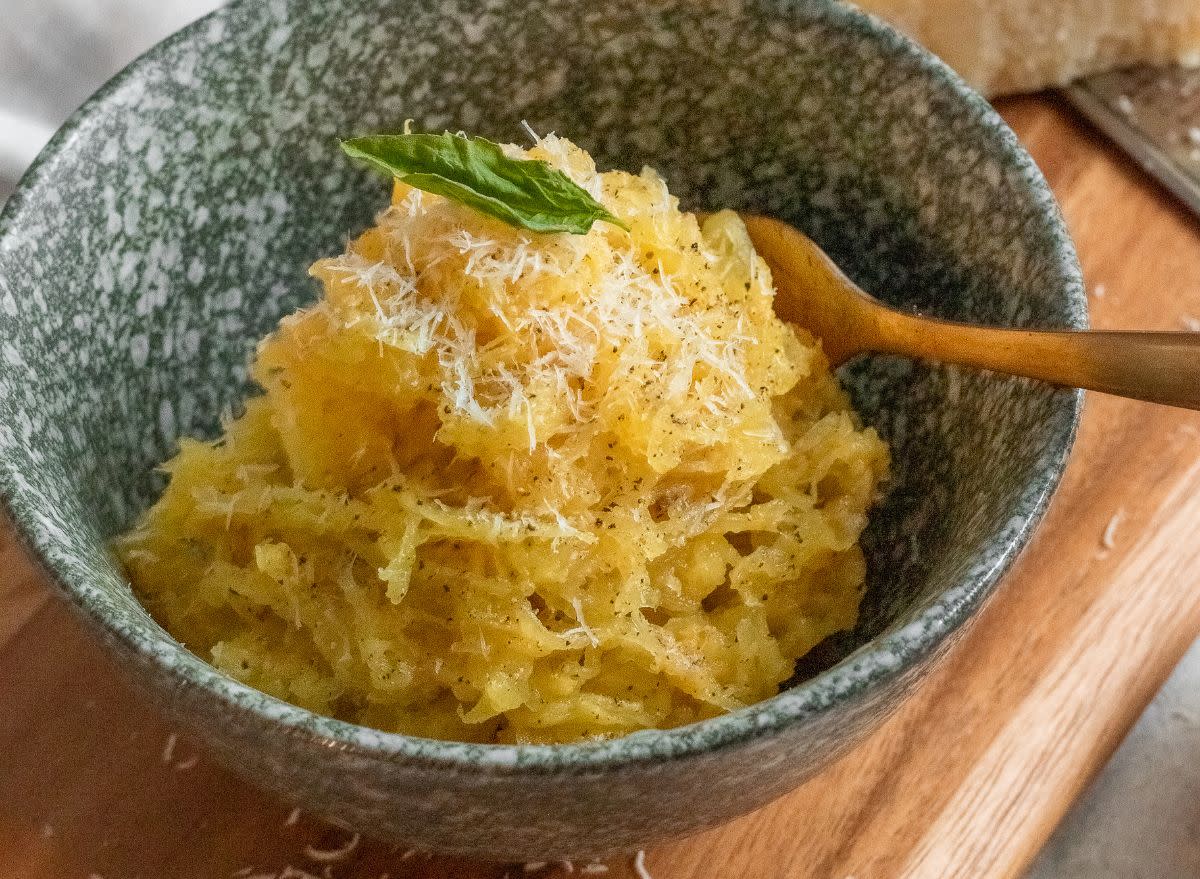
column 47, row 830
column 168, row 751
column 408, row 853
column 1191, row 323
column 1099, row 290
column 333, row 854
column 639, row 865
column 290, row 872
column 1108, row 538
column 293, row 817
column 1125, row 105
column 590, row 869
column 189, row 763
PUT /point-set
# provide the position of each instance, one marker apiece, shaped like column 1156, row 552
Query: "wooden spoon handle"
column 1160, row 367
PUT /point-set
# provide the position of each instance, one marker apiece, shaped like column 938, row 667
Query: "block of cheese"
column 1004, row 46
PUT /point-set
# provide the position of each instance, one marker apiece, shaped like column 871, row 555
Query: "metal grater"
column 1154, row 115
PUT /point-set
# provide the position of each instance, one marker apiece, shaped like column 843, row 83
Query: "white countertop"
column 54, row 53
column 1141, row 818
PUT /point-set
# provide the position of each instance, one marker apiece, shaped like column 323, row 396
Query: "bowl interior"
column 171, row 224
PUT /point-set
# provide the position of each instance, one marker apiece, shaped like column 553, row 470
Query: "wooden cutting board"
column 966, row 781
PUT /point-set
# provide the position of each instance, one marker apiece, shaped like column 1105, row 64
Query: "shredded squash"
column 504, row 486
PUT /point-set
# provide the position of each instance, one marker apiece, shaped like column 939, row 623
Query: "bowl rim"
column 906, row 645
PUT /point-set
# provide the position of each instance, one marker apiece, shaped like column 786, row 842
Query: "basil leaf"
column 525, row 193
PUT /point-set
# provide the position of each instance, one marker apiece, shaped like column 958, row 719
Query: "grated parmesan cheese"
column 336, row 854
column 583, row 628
column 639, row 866
column 290, row 872
column 1108, row 540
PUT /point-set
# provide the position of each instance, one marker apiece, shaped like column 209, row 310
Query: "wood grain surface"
column 967, row 780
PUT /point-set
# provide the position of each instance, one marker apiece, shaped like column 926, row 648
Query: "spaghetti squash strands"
column 507, row 486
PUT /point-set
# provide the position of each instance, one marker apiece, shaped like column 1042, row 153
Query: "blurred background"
column 1141, row 817
column 54, row 53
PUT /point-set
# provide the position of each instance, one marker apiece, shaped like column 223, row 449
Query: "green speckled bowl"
column 170, row 223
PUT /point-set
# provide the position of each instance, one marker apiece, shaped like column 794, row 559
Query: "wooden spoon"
column 1160, row 367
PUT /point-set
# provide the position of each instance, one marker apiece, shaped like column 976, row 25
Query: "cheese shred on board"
column 506, row 486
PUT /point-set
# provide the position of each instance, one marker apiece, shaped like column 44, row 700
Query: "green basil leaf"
column 525, row 193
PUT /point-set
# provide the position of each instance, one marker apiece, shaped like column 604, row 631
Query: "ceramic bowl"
column 169, row 225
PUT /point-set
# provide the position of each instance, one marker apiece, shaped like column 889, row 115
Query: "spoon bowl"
column 1159, row 367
